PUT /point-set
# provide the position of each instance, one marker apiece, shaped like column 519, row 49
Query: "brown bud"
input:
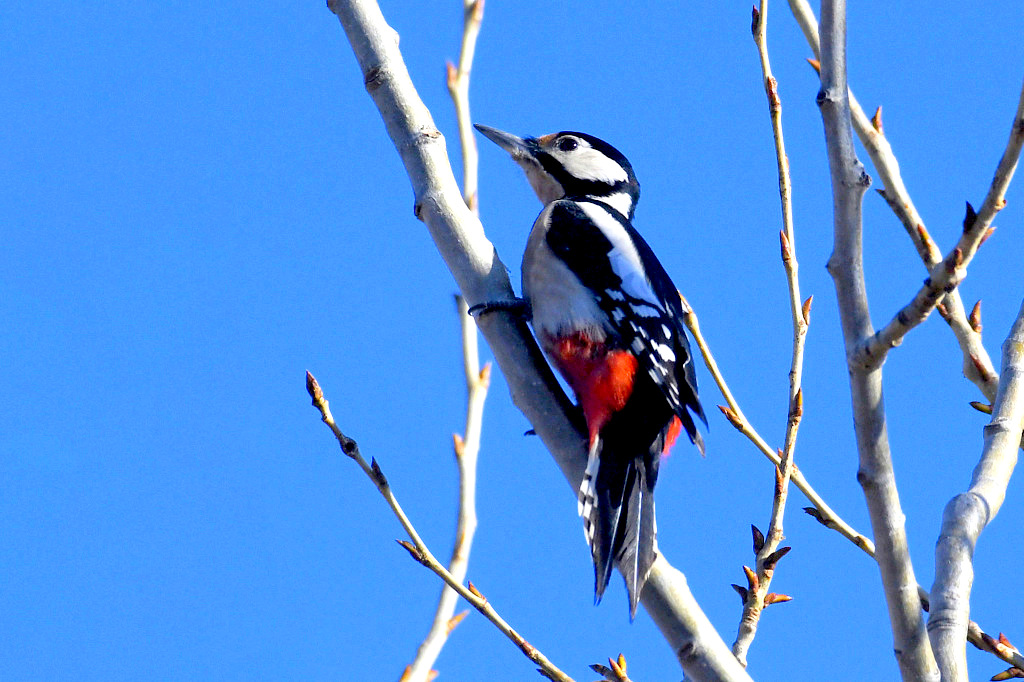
column 378, row 475
column 758, row 538
column 774, row 598
column 969, row 217
column 733, row 418
column 807, row 309
column 773, row 558
column 411, row 548
column 752, row 580
column 981, row 407
column 984, row 237
column 975, row 317
column 816, row 65
column 816, row 515
column 314, row 390
column 876, row 120
column 451, row 75
column 787, row 252
column 455, row 620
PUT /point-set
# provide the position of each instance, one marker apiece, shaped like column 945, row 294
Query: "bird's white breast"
column 560, row 302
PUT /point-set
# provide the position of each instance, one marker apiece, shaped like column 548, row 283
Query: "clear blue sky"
column 199, row 202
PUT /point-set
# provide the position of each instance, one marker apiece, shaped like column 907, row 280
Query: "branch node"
column 374, row 78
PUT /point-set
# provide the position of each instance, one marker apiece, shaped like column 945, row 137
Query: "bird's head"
column 570, row 164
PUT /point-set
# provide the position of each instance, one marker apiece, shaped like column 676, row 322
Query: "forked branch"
column 849, row 182
column 968, row 513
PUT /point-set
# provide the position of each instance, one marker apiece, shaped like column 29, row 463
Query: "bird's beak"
column 513, row 144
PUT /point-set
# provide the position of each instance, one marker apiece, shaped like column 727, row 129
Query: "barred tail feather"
column 637, row 549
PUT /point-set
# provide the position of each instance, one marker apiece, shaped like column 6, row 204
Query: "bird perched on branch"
column 610, row 319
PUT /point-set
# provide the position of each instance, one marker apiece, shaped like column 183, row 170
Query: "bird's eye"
column 567, row 144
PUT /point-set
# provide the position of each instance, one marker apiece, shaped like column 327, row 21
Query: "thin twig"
column 417, row 548
column 849, row 182
column 458, row 88
column 821, row 511
column 968, row 513
column 466, row 450
column 767, row 548
column 477, row 381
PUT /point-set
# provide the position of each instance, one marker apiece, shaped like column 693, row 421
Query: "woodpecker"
column 609, row 318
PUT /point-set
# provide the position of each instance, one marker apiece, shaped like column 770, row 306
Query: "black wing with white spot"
column 611, row 259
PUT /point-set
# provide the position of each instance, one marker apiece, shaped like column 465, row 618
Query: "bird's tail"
column 616, row 502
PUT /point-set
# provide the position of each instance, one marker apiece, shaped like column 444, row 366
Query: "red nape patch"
column 674, row 428
column 602, row 379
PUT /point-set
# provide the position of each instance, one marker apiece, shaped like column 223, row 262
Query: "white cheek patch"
column 586, row 163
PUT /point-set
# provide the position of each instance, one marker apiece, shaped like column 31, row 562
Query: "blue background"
column 198, row 202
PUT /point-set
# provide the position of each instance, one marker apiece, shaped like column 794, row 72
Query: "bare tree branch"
column 767, row 549
column 849, row 182
column 417, row 548
column 481, row 276
column 458, row 88
column 968, row 513
column 977, row 366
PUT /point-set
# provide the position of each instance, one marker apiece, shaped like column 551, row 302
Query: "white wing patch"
column 625, row 262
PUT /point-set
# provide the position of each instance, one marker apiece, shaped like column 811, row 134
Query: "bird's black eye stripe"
column 567, row 144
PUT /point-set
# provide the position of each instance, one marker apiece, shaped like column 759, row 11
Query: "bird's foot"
column 519, row 307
